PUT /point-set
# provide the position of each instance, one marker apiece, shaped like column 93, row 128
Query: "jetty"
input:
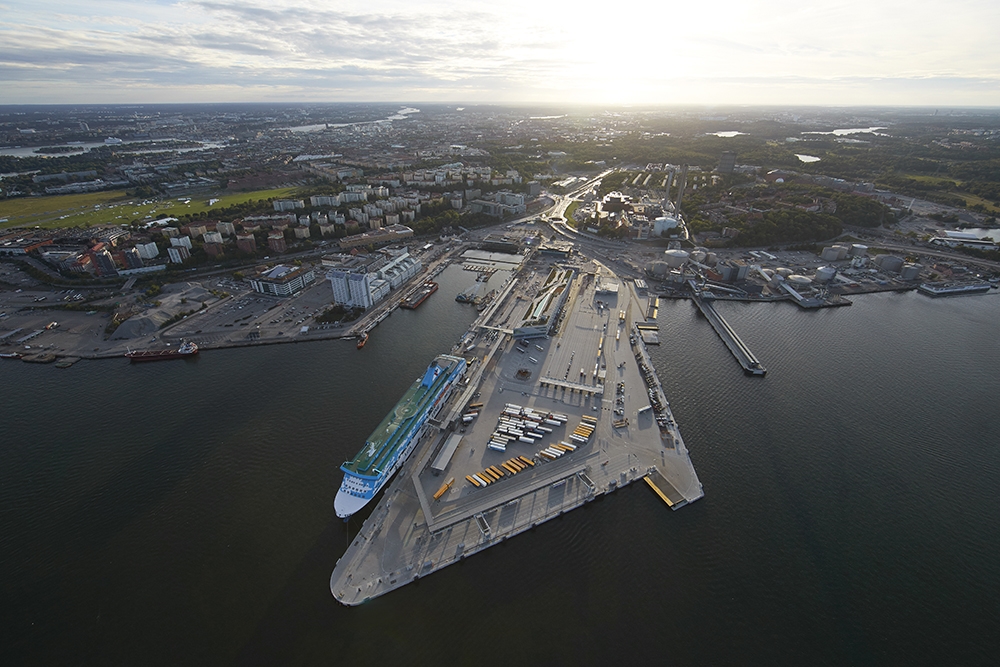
column 750, row 364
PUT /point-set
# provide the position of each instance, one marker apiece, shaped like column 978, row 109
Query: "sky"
column 663, row 52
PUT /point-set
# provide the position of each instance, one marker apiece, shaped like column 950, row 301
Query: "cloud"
column 507, row 50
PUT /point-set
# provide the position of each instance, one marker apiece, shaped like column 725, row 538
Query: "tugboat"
column 362, row 339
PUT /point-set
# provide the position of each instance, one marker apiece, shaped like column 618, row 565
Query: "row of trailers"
column 580, row 436
column 496, row 473
column 520, row 424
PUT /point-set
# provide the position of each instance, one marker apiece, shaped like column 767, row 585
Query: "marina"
column 531, row 437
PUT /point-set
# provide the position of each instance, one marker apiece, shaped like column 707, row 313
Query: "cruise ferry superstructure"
column 395, row 437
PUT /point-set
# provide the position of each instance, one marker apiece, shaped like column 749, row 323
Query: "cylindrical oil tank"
column 711, row 259
column 783, row 272
column 910, row 271
column 842, row 250
column 659, row 269
column 675, row 258
column 858, row 250
column 829, row 254
column 796, row 280
column 825, row 274
column 698, row 256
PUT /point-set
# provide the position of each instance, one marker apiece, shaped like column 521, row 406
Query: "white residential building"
column 147, row 250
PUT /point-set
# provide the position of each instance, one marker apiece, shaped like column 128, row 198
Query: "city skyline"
column 848, row 53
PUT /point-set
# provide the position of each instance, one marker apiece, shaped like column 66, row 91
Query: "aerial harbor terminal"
column 559, row 405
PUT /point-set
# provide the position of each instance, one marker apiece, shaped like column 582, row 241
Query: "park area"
column 115, row 207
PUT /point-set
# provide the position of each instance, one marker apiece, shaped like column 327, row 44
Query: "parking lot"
column 249, row 316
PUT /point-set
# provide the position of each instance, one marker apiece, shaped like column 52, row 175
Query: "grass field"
column 943, row 183
column 972, row 200
column 114, row 207
column 569, row 213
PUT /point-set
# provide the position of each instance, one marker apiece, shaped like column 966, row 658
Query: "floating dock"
column 546, row 438
column 735, row 344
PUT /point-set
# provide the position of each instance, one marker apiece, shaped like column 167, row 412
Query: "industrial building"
column 282, row 280
column 357, row 290
column 363, row 281
column 542, row 314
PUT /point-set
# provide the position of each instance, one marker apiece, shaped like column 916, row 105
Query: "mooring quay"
column 558, row 410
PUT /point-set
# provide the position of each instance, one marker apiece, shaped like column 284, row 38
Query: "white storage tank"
column 675, row 258
column 825, row 274
column 842, row 250
column 783, row 272
column 829, row 254
column 698, row 256
column 858, row 250
column 659, row 269
column 797, row 281
column 711, row 259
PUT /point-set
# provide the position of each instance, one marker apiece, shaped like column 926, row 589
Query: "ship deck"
column 409, row 534
column 400, row 423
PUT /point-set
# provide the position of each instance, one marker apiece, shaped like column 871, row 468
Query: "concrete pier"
column 735, row 344
column 410, row 534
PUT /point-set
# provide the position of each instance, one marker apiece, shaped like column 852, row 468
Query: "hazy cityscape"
column 435, row 290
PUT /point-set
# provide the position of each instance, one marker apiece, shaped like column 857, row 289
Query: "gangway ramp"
column 665, row 490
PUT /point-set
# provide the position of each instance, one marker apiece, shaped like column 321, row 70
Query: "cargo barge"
column 420, row 295
column 184, row 350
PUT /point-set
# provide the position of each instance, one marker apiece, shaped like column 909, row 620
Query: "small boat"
column 362, row 339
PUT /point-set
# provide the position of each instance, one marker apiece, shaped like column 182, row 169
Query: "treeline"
column 861, row 211
column 788, row 227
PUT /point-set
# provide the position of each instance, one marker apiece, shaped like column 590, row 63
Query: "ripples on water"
column 182, row 512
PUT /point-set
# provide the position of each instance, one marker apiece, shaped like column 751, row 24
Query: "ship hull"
column 938, row 290
column 148, row 355
column 397, row 436
column 422, row 295
column 185, row 350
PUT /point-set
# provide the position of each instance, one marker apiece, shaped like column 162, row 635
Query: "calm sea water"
column 182, row 512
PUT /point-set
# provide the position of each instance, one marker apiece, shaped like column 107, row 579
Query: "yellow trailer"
column 444, row 489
